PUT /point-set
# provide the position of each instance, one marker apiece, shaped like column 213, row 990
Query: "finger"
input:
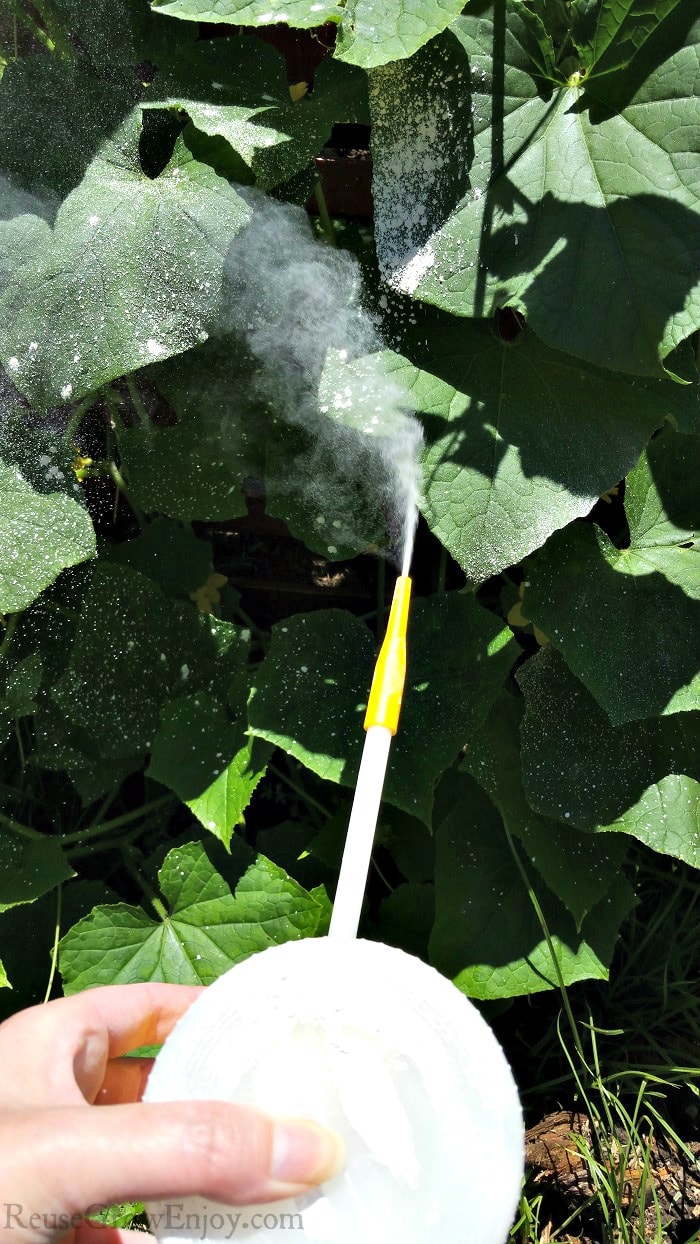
column 65, row 1045
column 124, row 1081
column 65, row 1160
column 95, row 1233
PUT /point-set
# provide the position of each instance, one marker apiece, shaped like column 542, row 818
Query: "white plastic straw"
column 360, row 836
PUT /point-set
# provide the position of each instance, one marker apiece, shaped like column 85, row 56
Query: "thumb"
column 73, row 1159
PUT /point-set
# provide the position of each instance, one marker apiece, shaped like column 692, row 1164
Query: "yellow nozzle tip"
column 386, row 693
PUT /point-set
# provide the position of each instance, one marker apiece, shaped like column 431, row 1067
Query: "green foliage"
column 186, row 642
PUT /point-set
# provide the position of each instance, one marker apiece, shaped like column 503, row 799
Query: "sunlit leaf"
column 205, row 930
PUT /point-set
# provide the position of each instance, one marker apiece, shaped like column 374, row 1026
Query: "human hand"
column 60, row 1155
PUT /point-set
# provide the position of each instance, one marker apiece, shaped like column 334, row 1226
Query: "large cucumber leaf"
column 487, row 935
column 520, row 438
column 205, row 930
column 131, row 272
column 368, row 33
column 577, row 205
column 311, row 691
column 40, row 535
column 627, row 620
column 641, row 778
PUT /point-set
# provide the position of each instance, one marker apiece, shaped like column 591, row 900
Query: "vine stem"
column 107, row 827
column 56, row 939
column 10, row 626
column 78, row 415
column 147, row 888
column 550, row 946
column 299, row 790
column 324, row 215
column 137, row 400
column 22, row 831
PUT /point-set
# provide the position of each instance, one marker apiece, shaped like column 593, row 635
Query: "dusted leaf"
column 579, row 208
column 135, row 649
column 577, row 867
column 642, row 778
column 368, row 34
column 627, row 620
column 311, row 692
column 517, row 445
column 40, row 535
column 80, row 104
column 131, row 271
column 208, row 761
column 486, row 934
column 205, row 930
column 29, row 868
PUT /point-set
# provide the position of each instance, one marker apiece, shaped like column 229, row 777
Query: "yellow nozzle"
column 384, row 704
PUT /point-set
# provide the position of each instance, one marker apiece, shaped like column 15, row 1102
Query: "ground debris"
column 660, row 1181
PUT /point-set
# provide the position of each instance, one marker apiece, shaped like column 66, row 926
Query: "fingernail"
column 305, row 1153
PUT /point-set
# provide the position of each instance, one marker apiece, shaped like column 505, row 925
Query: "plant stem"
column 23, row 831
column 137, row 400
column 299, row 790
column 10, row 626
column 442, row 570
column 77, row 417
column 106, row 827
column 54, row 26
column 323, row 215
column 29, row 24
column 122, row 488
column 145, row 885
column 550, row 946
column 56, row 939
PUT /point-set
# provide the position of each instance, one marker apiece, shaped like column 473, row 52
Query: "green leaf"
column 368, row 34
column 519, row 202
column 169, row 554
column 608, row 33
column 311, row 692
column 40, row 535
column 206, row 759
column 28, row 934
column 205, row 931
column 54, row 115
column 486, row 935
column 236, row 91
column 29, row 867
column 4, row 982
column 577, row 867
column 627, row 620
column 135, row 650
column 131, row 272
column 516, row 445
column 642, row 778
column 19, row 685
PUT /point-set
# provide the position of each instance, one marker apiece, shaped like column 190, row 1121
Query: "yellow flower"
column 208, row 594
column 516, row 617
column 80, row 466
column 608, row 495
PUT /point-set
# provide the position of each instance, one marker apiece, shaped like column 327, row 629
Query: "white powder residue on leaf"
column 408, row 278
column 418, row 171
